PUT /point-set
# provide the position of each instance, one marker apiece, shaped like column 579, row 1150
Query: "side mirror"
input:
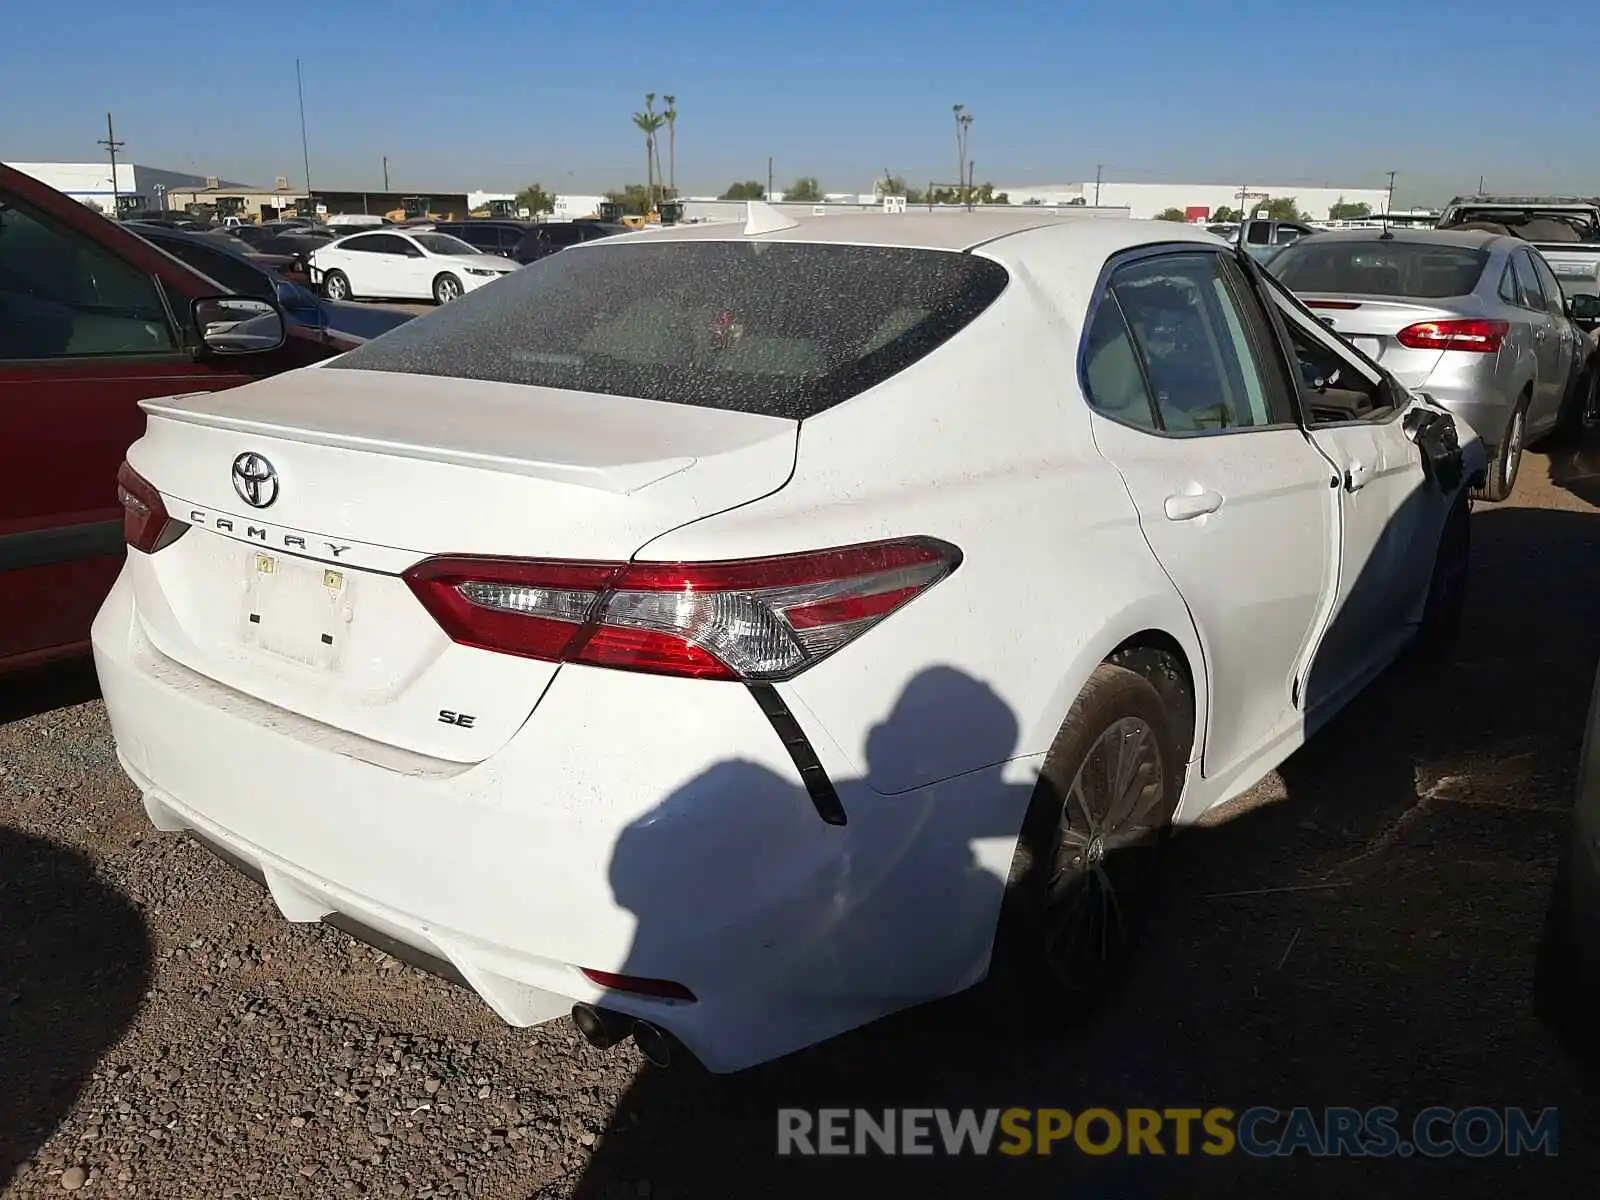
column 1583, row 307
column 238, row 324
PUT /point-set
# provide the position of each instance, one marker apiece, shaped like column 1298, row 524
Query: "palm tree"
column 672, row 144
column 648, row 122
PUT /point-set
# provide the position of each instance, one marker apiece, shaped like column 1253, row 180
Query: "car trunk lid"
column 1372, row 323
column 300, row 602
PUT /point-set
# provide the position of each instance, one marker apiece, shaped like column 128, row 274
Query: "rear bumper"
column 1480, row 406
column 638, row 825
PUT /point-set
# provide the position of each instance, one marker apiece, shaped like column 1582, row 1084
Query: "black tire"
column 1578, row 413
column 336, row 286
column 446, row 288
column 1081, row 890
column 1507, row 456
column 1439, row 633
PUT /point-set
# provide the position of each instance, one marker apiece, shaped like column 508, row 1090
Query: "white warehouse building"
column 1197, row 201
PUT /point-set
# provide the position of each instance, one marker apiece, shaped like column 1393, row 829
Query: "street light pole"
column 1098, row 168
column 386, row 172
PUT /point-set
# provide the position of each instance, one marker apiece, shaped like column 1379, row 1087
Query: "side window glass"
column 1111, row 373
column 1527, row 282
column 361, row 245
column 1510, row 290
column 1554, row 299
column 232, row 274
column 1204, row 355
column 65, row 296
column 1258, row 233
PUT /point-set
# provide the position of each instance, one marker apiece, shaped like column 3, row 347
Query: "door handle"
column 1186, row 506
column 1356, row 476
column 1540, row 334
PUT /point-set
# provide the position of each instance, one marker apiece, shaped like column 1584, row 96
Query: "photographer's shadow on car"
column 835, row 926
column 75, row 963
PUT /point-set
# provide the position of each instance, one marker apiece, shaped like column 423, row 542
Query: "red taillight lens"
column 145, row 523
column 749, row 619
column 1482, row 336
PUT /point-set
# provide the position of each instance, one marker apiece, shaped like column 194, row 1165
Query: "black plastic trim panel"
column 818, row 786
column 409, row 955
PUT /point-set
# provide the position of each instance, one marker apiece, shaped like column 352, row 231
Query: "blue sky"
column 500, row 93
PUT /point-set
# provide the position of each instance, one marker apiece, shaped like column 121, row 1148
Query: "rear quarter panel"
column 985, row 444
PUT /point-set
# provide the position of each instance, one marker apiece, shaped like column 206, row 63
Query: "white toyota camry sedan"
column 397, row 264
column 733, row 634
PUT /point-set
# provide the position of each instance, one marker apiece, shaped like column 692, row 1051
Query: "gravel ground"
column 164, row 1033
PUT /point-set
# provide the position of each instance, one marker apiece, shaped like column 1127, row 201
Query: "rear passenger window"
column 1510, row 292
column 1527, row 282
column 65, row 296
column 1202, row 341
column 1554, row 299
column 1111, row 373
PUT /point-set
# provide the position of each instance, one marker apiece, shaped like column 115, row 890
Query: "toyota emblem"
column 255, row 479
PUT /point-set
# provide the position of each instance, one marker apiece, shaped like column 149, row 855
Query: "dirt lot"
column 164, row 1033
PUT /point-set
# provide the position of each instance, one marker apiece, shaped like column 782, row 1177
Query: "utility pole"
column 1480, row 185
column 386, row 172
column 112, row 145
column 305, row 152
column 769, row 177
column 1388, row 204
column 1098, row 168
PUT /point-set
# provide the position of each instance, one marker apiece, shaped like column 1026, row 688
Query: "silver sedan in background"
column 1476, row 320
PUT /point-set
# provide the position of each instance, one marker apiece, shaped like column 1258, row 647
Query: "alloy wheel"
column 1104, row 871
column 1513, row 458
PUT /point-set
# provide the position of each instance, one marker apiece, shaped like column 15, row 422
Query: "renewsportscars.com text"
column 1260, row 1132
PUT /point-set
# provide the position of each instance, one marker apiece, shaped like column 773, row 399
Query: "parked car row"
column 1477, row 320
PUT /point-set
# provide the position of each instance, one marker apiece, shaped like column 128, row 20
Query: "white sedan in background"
column 731, row 636
column 397, row 265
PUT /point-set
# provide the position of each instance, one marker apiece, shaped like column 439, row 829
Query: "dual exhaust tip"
column 602, row 1028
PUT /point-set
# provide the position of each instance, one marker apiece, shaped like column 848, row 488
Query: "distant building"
column 137, row 186
column 1197, row 201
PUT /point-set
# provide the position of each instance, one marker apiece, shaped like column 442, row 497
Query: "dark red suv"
column 94, row 319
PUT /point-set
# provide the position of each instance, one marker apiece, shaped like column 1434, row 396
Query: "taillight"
column 145, row 523
column 1344, row 305
column 757, row 619
column 1482, row 336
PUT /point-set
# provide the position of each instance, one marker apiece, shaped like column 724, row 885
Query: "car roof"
column 1475, row 239
column 224, row 243
column 1097, row 236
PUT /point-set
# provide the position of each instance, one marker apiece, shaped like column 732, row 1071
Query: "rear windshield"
column 1374, row 268
column 779, row 329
